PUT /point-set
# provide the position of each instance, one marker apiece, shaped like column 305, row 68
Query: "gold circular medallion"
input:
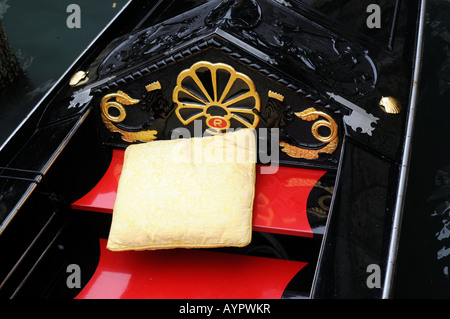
column 217, row 94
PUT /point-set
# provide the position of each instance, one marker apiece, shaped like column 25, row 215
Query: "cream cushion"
column 186, row 193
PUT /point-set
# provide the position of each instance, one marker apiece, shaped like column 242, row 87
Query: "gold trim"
column 153, row 86
column 276, row 95
column 121, row 99
column 203, row 99
column 332, row 140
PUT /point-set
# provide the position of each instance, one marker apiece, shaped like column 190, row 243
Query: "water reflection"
column 18, row 102
column 45, row 48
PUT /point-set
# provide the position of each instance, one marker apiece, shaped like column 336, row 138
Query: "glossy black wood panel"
column 359, row 226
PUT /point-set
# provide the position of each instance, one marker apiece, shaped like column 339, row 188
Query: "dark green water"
column 46, row 47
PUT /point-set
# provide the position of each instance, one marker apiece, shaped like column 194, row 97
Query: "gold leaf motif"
column 308, row 115
column 276, row 96
column 121, row 99
column 124, row 99
column 153, row 86
column 141, row 136
column 298, row 152
column 332, row 140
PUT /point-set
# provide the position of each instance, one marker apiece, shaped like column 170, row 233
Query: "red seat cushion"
column 187, row 274
column 280, row 198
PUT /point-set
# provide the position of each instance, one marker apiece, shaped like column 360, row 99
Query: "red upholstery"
column 187, row 274
column 280, row 198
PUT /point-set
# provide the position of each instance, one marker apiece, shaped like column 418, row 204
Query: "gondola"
column 329, row 100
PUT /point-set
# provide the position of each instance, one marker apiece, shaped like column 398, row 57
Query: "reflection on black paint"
column 424, row 252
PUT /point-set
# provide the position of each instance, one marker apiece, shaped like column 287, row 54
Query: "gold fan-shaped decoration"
column 217, row 94
column 390, row 105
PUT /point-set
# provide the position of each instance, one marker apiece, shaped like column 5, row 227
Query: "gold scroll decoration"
column 332, row 140
column 122, row 99
column 216, row 93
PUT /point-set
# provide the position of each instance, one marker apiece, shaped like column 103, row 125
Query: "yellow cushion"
column 186, row 193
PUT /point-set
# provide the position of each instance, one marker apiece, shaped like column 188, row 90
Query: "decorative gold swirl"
column 122, row 99
column 332, row 140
